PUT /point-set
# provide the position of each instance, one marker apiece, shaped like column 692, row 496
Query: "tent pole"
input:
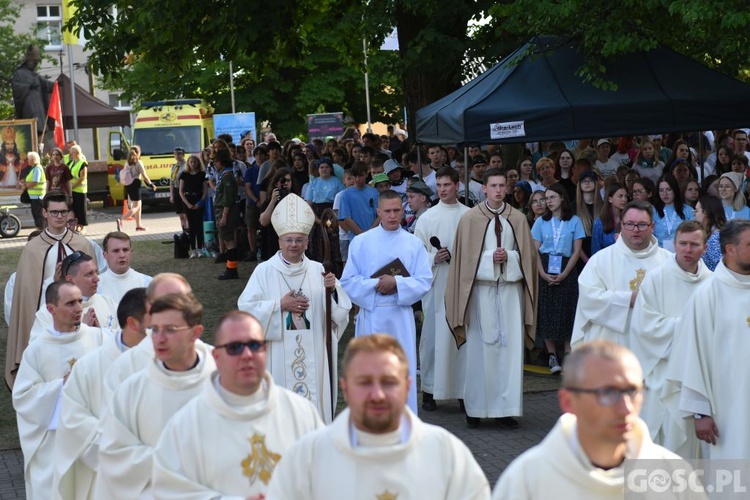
column 467, row 199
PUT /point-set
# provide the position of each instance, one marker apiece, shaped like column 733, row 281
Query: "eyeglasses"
column 58, row 213
column 237, row 348
column 539, row 201
column 296, row 241
column 167, row 330
column 639, row 192
column 642, row 226
column 69, row 260
column 609, row 396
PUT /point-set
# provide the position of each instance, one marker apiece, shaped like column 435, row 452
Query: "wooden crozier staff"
column 328, row 223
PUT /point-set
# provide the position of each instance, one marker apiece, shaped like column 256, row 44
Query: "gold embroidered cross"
column 387, row 495
column 260, row 463
column 636, row 282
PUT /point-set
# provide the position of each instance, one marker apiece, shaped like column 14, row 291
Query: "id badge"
column 555, row 264
column 669, row 245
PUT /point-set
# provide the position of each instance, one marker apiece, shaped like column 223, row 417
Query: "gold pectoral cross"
column 636, row 282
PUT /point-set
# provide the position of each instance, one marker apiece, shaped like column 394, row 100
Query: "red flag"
column 55, row 112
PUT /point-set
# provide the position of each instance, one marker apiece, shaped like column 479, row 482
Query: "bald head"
column 252, row 324
column 166, row 283
column 575, row 375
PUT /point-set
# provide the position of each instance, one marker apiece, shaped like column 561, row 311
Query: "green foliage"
column 715, row 34
column 12, row 48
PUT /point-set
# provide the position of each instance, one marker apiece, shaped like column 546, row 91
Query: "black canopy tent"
column 92, row 112
column 535, row 94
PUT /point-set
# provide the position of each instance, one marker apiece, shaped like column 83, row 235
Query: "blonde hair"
column 375, row 343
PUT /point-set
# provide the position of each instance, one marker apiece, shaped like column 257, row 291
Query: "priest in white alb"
column 241, row 425
column 442, row 364
column 490, row 303
column 385, row 301
column 654, row 330
column 377, row 448
column 287, row 294
column 583, row 457
column 98, row 311
column 119, row 276
column 144, row 403
column 608, row 285
column 44, row 370
column 140, row 356
column 716, row 329
column 84, row 402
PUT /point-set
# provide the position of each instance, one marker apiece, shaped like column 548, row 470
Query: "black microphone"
column 435, row 242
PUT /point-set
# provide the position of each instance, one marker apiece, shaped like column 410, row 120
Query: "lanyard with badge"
column 555, row 257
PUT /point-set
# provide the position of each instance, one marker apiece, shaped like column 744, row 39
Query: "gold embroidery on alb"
column 260, row 463
column 639, row 275
column 387, row 495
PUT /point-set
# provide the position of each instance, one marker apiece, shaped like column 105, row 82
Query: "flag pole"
column 73, row 91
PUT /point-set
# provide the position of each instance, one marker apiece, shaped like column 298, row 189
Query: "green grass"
column 217, row 297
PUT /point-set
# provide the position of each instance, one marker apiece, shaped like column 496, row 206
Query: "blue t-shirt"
column 570, row 230
column 323, row 190
column 731, row 214
column 251, row 177
column 600, row 239
column 665, row 228
column 360, row 205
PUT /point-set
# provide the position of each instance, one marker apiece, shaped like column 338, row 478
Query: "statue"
column 31, row 92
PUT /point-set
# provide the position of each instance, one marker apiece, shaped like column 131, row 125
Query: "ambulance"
column 160, row 127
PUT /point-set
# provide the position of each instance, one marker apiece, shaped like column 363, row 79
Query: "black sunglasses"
column 69, row 260
column 236, row 348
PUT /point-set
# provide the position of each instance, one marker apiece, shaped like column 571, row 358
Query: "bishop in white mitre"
column 287, row 294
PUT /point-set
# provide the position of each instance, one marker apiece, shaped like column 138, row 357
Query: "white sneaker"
column 199, row 253
column 193, row 254
column 554, row 366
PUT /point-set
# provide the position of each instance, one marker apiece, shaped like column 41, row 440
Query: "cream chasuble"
column 428, row 463
column 715, row 382
column 234, row 445
column 141, row 407
column 655, row 324
column 604, row 289
column 106, row 313
column 442, row 364
column 558, row 468
column 83, row 402
column 115, row 286
column 297, row 357
column 36, row 399
column 392, row 314
column 495, row 332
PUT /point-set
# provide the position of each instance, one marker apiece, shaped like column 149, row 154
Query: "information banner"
column 320, row 126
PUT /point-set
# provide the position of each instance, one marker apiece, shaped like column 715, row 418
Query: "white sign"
column 506, row 130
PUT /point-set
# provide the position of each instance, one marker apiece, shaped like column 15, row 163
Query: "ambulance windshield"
column 163, row 140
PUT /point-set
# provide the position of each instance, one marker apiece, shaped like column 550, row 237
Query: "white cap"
column 602, row 141
column 292, row 215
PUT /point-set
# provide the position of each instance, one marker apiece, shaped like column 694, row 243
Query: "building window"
column 117, row 101
column 49, row 25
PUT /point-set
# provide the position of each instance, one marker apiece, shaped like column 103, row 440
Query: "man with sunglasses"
column 98, row 311
column 39, row 261
column 582, row 456
column 84, row 401
column 142, row 405
column 241, row 418
column 287, row 295
column 44, row 371
column 608, row 285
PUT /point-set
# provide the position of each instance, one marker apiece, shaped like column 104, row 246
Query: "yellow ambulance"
column 159, row 128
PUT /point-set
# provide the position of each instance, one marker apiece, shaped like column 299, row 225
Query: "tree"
column 13, row 46
column 714, row 33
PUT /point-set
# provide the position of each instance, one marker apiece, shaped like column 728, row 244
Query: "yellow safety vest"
column 41, row 188
column 75, row 171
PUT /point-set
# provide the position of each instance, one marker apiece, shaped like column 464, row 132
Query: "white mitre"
column 292, row 215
